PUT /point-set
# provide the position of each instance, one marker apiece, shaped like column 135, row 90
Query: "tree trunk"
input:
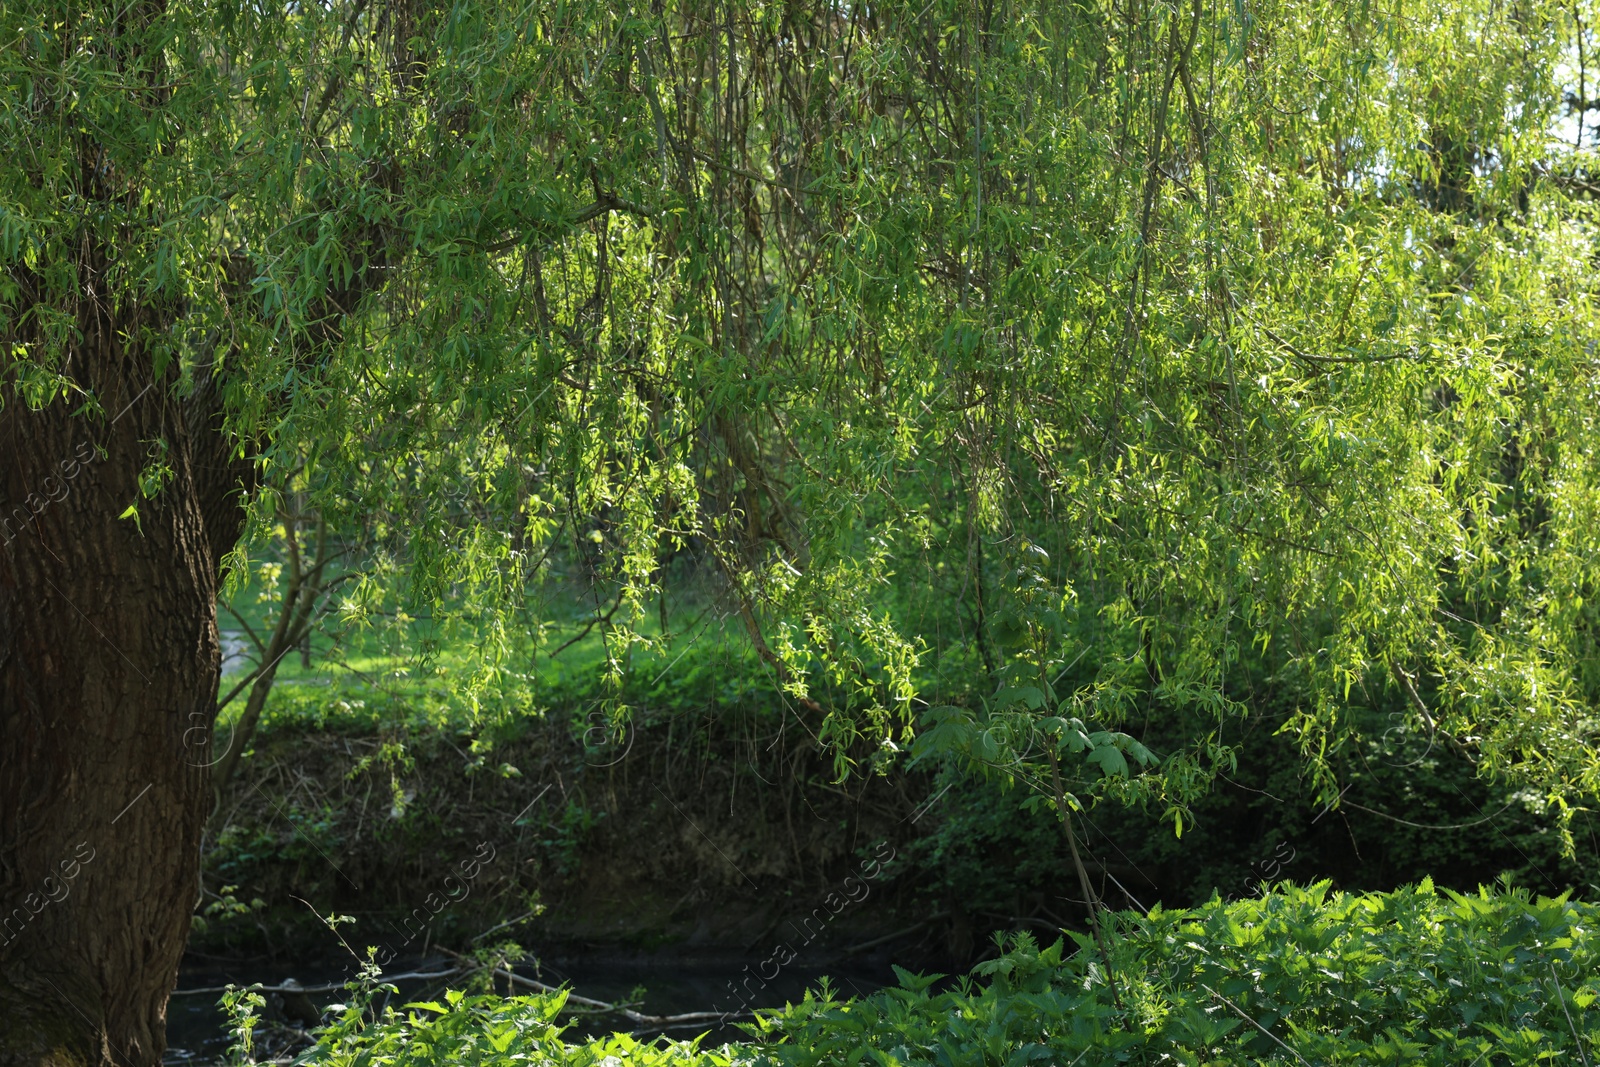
column 109, row 662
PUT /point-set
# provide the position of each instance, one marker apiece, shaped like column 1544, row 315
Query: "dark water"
column 196, row 1027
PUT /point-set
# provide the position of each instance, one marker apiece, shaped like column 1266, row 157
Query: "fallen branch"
column 688, row 1018
column 298, row 988
column 684, row 1018
column 886, row 938
column 601, row 1006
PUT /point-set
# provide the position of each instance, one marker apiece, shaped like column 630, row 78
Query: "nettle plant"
column 1300, row 976
column 1060, row 742
column 1024, row 738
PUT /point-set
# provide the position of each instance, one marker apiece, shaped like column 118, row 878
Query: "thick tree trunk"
column 109, row 662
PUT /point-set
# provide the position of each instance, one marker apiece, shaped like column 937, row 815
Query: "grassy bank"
column 710, row 814
column 712, row 809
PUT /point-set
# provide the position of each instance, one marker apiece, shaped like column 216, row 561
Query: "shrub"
column 1295, row 977
column 1299, row 976
column 466, row 1031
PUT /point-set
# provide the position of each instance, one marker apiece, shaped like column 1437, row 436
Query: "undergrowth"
column 1298, row 976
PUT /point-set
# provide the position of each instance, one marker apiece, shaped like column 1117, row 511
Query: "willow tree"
column 1141, row 334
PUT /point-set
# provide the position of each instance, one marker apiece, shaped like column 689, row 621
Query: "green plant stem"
column 1243, row 1015
column 1090, row 900
column 1582, row 1055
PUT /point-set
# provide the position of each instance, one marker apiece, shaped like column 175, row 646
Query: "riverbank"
column 699, row 856
column 710, row 817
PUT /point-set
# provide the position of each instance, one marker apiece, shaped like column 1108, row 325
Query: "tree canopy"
column 1102, row 352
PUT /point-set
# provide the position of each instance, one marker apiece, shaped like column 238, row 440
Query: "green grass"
column 378, row 675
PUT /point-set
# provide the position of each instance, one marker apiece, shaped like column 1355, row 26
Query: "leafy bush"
column 1299, row 976
column 1295, row 977
column 469, row 1030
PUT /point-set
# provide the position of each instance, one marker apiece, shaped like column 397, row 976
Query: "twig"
column 1410, row 688
column 248, row 629
column 1241, row 1013
column 246, row 680
column 520, row 918
column 1310, row 358
column 1427, row 826
column 1091, row 901
column 593, row 619
column 1557, row 982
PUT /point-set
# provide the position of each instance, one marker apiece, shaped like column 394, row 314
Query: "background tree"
column 301, row 588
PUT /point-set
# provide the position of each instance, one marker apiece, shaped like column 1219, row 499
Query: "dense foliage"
column 1299, row 976
column 1108, row 351
column 1047, row 391
column 1295, row 977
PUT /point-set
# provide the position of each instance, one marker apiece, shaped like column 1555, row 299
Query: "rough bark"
column 109, row 661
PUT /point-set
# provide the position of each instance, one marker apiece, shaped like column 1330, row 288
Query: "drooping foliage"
column 1102, row 352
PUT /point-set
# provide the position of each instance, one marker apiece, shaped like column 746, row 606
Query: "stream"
column 197, row 1031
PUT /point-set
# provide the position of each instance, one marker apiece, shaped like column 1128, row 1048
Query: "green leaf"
column 1029, row 695
column 1110, row 760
